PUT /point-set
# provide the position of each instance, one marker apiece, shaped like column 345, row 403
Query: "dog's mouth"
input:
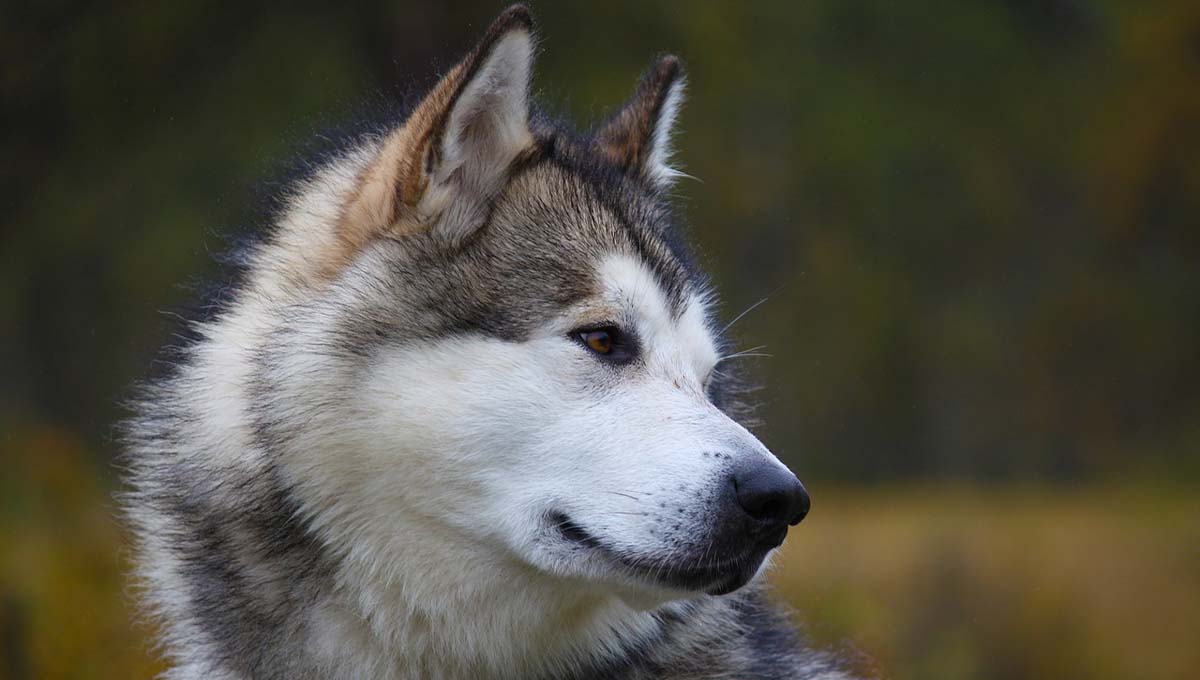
column 717, row 572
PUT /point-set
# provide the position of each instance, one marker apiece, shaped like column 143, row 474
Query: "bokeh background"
column 975, row 226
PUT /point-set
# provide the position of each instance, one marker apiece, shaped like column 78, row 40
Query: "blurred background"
column 975, row 226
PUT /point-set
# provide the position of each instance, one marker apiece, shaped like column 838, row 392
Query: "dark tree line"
column 975, row 223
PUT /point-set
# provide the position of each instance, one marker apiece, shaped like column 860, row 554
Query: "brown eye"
column 599, row 341
column 608, row 343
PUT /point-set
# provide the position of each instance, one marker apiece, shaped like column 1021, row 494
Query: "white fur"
column 658, row 163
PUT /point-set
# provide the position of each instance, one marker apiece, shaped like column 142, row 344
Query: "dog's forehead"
column 560, row 224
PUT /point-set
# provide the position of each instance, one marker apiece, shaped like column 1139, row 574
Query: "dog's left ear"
column 638, row 137
column 483, row 128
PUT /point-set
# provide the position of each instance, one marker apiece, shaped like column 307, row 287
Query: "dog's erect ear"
column 638, row 138
column 441, row 170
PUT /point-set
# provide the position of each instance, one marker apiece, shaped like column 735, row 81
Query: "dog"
column 465, row 416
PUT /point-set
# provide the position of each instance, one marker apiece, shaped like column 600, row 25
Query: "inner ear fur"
column 441, row 169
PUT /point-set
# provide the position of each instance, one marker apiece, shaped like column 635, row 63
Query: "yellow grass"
column 932, row 583
column 1008, row 584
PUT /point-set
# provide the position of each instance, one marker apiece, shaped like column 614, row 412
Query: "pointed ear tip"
column 670, row 67
column 514, row 17
column 514, row 23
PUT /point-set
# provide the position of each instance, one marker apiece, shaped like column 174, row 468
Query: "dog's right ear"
column 638, row 138
column 440, row 171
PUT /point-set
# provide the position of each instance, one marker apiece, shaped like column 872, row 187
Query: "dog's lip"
column 774, row 539
column 715, row 578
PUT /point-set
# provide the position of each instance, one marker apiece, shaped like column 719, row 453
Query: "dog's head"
column 511, row 347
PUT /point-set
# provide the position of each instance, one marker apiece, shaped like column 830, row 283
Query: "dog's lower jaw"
column 446, row 611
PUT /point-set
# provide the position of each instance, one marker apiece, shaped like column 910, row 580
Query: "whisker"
column 626, row 495
column 748, row 349
column 744, row 313
column 741, row 355
column 751, row 352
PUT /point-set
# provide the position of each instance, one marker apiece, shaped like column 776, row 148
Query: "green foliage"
column 975, row 222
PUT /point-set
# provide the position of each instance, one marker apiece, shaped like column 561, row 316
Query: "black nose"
column 771, row 494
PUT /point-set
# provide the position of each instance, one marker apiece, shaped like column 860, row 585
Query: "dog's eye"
column 608, row 342
column 600, row 341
